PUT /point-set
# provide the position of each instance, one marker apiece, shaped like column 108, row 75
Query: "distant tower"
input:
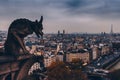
column 63, row 31
column 58, row 32
column 111, row 32
column 58, row 35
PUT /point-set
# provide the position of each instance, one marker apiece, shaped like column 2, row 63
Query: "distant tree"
column 76, row 64
column 61, row 71
column 116, row 45
column 115, row 75
column 1, row 51
column 31, row 77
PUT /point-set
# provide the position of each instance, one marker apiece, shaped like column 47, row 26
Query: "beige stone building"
column 60, row 56
column 95, row 53
column 105, row 50
column 49, row 60
column 83, row 56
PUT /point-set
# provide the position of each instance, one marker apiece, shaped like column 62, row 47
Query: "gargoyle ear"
column 41, row 19
column 36, row 21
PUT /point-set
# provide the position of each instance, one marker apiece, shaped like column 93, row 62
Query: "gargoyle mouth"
column 40, row 33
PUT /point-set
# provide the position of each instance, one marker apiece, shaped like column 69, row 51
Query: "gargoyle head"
column 38, row 27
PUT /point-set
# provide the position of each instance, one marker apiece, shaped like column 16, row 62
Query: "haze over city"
column 92, row 16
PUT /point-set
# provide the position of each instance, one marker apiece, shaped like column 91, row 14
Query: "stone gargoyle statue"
column 17, row 31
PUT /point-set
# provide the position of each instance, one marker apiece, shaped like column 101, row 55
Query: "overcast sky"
column 92, row 16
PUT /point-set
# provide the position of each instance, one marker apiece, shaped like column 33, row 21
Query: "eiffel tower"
column 111, row 32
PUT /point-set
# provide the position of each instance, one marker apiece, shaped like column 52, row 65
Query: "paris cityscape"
column 94, row 56
column 59, row 40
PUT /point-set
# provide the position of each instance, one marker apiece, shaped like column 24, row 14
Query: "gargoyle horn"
column 41, row 19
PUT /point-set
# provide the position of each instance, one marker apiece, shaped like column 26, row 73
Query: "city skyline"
column 92, row 16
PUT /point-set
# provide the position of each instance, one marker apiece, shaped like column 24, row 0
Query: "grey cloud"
column 97, row 7
column 102, row 8
column 59, row 11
